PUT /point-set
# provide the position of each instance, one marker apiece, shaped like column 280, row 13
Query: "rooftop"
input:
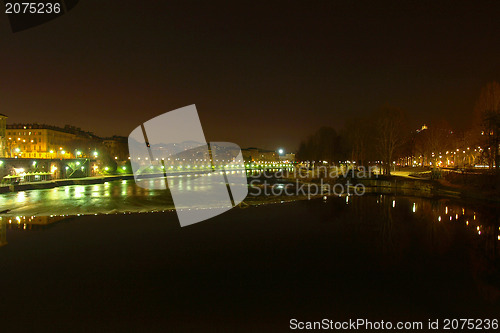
column 65, row 129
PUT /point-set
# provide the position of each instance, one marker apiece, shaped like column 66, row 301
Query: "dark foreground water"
column 251, row 270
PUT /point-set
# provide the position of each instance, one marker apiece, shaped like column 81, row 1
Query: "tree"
column 433, row 141
column 487, row 111
column 391, row 130
column 323, row 145
column 357, row 136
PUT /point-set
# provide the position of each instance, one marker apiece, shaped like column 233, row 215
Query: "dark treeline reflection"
column 394, row 228
column 379, row 256
column 406, row 227
column 432, row 221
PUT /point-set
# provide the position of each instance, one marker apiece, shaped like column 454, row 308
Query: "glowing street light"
column 19, row 171
column 281, row 151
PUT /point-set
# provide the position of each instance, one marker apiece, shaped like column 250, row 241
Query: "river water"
column 380, row 257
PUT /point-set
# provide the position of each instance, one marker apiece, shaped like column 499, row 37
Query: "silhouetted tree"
column 435, row 140
column 358, row 134
column 487, row 111
column 391, row 129
column 323, row 145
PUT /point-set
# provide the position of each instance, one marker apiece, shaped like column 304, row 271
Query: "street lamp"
column 281, row 151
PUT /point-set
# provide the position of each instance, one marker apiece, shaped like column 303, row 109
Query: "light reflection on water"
column 399, row 226
column 124, row 196
column 109, row 197
column 482, row 222
column 25, row 223
column 21, row 197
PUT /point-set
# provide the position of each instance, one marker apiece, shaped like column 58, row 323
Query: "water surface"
column 253, row 269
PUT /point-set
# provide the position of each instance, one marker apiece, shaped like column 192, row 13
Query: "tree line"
column 385, row 136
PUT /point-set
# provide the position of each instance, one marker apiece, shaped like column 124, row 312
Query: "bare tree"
column 391, row 130
column 323, row 145
column 487, row 111
column 434, row 141
column 357, row 134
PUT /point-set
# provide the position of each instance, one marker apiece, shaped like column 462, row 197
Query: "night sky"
column 262, row 74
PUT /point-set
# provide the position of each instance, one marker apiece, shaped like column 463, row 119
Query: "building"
column 117, row 147
column 3, row 128
column 256, row 155
column 45, row 141
column 288, row 157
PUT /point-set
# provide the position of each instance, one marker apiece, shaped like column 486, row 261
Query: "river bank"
column 465, row 186
column 120, row 194
column 62, row 182
column 427, row 188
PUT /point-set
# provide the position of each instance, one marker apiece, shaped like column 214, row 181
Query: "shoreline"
column 62, row 182
column 394, row 185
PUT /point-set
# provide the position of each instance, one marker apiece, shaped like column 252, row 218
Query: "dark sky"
column 261, row 74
